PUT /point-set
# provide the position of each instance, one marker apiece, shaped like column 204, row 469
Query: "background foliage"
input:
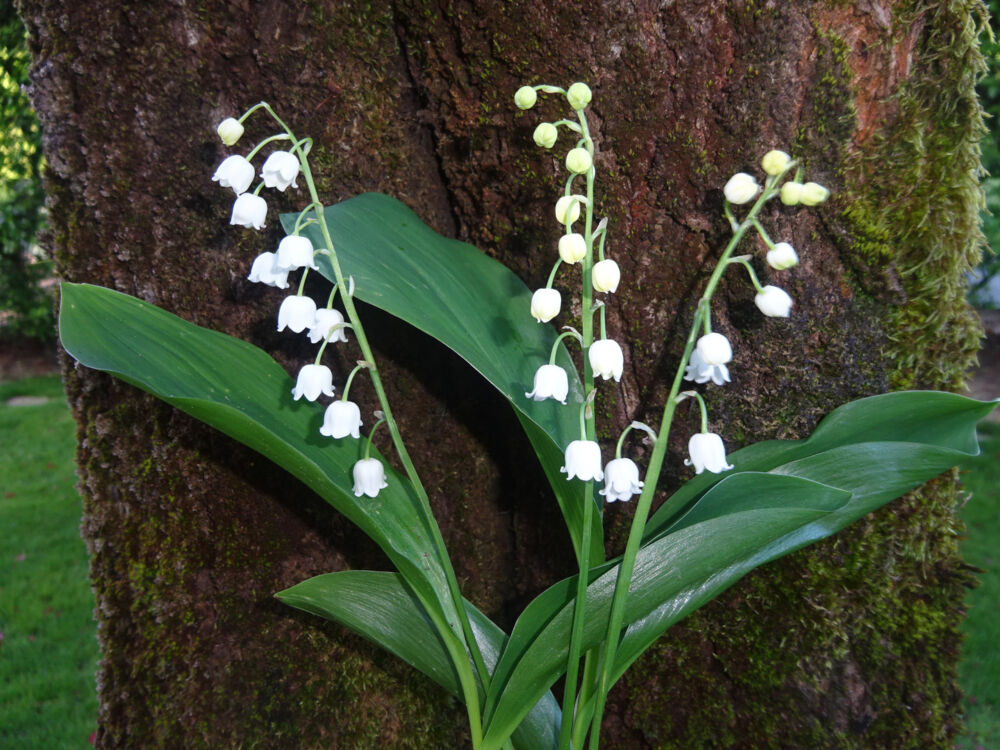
column 25, row 307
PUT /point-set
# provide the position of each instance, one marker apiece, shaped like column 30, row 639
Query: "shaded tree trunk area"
column 849, row 644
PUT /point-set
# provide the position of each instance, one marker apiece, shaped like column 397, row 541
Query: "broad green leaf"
column 238, row 389
column 927, row 417
column 381, row 607
column 696, row 563
column 472, row 304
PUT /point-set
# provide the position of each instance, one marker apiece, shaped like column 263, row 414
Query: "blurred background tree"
column 26, row 310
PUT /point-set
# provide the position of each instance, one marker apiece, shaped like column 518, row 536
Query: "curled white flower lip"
column 280, row 170
column 552, row 382
column 249, row 211
column 342, row 418
column 295, row 251
column 701, row 372
column 707, row 453
column 313, row 380
column 234, row 172
column 583, row 461
column 621, row 480
column 263, row 272
column 325, row 321
column 369, row 477
column 296, row 313
column 607, row 359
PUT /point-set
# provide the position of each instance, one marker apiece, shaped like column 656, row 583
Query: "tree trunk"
column 850, row 644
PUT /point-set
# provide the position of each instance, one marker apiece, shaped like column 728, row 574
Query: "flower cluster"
column 298, row 313
column 600, row 275
column 712, row 353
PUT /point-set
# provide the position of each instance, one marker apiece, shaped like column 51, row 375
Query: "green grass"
column 48, row 653
column 979, row 669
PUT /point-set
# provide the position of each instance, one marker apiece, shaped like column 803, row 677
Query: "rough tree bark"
column 850, row 644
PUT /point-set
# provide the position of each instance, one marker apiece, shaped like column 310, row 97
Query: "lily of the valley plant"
column 738, row 510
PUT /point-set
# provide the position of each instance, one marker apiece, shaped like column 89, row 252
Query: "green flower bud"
column 578, row 160
column 791, row 193
column 230, row 130
column 813, row 194
column 578, row 95
column 546, row 135
column 525, row 97
column 775, row 162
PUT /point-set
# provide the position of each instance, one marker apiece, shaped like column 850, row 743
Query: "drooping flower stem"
column 588, row 432
column 326, row 340
column 611, row 671
column 454, row 627
column 572, row 332
column 371, row 435
column 347, row 386
column 745, row 262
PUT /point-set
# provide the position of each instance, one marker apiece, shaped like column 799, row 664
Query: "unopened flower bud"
column 782, row 256
column 605, row 276
column 741, row 188
column 714, row 349
column 578, row 95
column 578, row 160
column 572, row 248
column 545, row 304
column 568, row 209
column 813, row 194
column 230, row 130
column 773, row 301
column 546, row 135
column 525, row 97
column 791, row 193
column 775, row 162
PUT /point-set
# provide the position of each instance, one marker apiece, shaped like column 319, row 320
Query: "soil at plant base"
column 24, row 358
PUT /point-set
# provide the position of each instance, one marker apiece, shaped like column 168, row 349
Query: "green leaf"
column 381, row 607
column 472, row 304
column 688, row 567
column 238, row 389
column 926, row 417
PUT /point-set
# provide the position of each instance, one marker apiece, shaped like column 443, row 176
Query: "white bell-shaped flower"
column 606, row 359
column 235, row 172
column 572, row 248
column 297, row 313
column 249, row 211
column 295, row 251
column 568, row 209
column 312, row 381
column 621, row 480
column 741, row 188
column 545, row 304
column 773, row 301
column 369, row 477
column 707, row 453
column 605, row 276
column 714, row 349
column 230, row 130
column 280, row 170
column 782, row 256
column 551, row 381
column 701, row 372
column 263, row 272
column 342, row 418
column 583, row 461
column 326, row 320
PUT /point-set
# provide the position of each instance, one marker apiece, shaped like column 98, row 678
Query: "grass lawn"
column 48, row 649
column 979, row 670
column 48, row 645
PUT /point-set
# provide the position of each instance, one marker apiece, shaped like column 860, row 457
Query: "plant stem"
column 587, row 325
column 627, row 567
column 472, row 698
